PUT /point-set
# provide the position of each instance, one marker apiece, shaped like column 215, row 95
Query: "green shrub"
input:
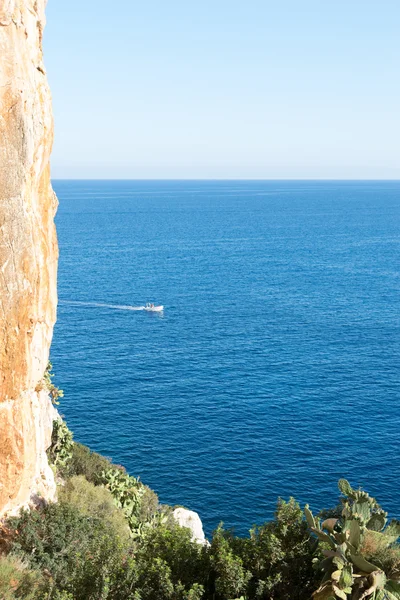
column 60, row 451
column 78, row 544
column 281, row 555
column 94, row 501
column 17, row 580
column 276, row 561
column 62, row 596
column 79, row 554
column 155, row 581
column 87, row 463
column 186, row 558
column 196, row 592
column 149, row 504
column 138, row 502
column 230, row 578
column 167, row 565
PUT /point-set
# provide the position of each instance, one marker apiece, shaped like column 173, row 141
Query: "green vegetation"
column 47, row 383
column 75, row 552
column 108, row 538
column 17, row 580
column 87, row 463
column 60, row 451
column 138, row 502
column 96, row 502
column 359, row 551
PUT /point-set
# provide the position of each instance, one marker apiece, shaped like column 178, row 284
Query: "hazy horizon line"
column 223, row 179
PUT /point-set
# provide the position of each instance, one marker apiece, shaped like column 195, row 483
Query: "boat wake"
column 101, row 305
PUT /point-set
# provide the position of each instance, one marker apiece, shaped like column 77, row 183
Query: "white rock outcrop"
column 191, row 520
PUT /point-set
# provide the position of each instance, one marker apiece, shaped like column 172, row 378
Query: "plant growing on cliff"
column 167, row 565
column 60, row 451
column 136, row 500
column 87, row 463
column 79, row 554
column 230, row 578
column 54, row 391
column 17, row 580
column 278, row 554
column 95, row 502
column 346, row 572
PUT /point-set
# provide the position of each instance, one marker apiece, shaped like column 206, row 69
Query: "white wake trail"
column 101, row 305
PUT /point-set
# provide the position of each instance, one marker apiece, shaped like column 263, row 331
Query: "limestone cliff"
column 28, row 255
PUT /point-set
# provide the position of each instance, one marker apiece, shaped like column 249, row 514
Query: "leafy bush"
column 78, row 544
column 276, row 561
column 79, row 554
column 109, row 539
column 174, row 545
column 94, row 501
column 382, row 552
column 167, row 565
column 87, row 463
column 18, row 581
column 287, row 567
column 83, row 559
column 230, row 578
column 138, row 502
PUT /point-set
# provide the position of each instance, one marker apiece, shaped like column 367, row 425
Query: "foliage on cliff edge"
column 108, row 538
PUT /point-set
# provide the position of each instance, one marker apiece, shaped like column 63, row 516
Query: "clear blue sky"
column 225, row 88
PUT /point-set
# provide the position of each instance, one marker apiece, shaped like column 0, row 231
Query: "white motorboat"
column 153, row 307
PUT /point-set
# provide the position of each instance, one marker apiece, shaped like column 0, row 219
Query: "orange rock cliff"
column 28, row 257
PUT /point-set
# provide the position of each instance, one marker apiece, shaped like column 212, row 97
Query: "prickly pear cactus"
column 127, row 492
column 347, row 574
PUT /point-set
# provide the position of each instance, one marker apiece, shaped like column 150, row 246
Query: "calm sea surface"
column 274, row 369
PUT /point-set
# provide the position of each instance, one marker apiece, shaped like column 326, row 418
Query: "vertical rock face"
column 28, row 256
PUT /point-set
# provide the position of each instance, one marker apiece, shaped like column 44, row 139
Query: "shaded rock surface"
column 28, row 256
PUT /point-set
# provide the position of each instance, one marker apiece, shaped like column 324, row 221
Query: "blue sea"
column 274, row 368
